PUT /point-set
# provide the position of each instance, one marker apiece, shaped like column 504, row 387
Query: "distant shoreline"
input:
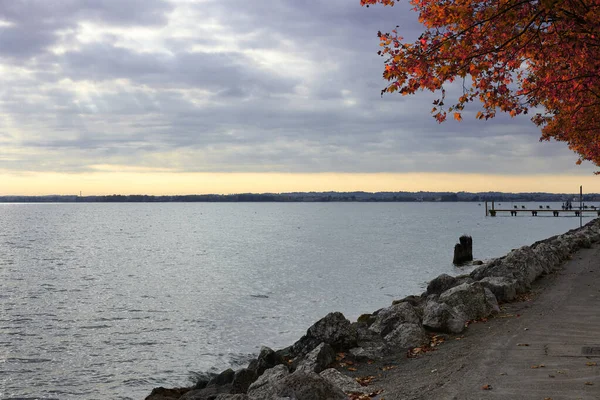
column 308, row 197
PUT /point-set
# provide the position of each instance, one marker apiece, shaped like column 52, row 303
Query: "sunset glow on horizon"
column 169, row 183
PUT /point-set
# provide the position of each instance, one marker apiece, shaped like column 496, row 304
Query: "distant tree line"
column 306, row 197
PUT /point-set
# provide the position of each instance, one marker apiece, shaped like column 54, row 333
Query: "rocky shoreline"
column 408, row 326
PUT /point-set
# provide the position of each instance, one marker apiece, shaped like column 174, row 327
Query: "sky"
column 230, row 96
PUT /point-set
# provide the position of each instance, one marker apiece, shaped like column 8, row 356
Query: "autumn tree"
column 518, row 56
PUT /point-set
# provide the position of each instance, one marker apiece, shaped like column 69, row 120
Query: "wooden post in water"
column 486, row 211
column 463, row 251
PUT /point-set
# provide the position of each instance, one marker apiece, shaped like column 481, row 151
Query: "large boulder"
column 161, row 393
column 413, row 300
column 505, row 289
column 317, row 360
column 440, row 284
column 371, row 352
column 471, row 299
column 406, row 335
column 277, row 383
column 223, row 378
column 522, row 265
column 202, row 379
column 267, row 358
column 242, row 380
column 208, row 393
column 303, row 386
column 344, row 382
column 334, row 329
column 265, row 386
column 551, row 256
column 387, row 319
column 440, row 317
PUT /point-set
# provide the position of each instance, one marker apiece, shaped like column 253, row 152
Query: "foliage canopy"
column 514, row 56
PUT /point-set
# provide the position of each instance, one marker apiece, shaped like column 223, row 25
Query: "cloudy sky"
column 196, row 96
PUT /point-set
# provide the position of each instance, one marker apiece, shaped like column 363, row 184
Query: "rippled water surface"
column 107, row 301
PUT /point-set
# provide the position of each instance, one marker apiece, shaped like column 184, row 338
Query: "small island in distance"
column 307, row 197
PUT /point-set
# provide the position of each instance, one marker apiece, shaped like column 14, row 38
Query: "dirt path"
column 543, row 347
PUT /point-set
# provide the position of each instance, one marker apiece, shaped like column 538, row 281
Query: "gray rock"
column 334, row 329
column 364, row 334
column 374, row 352
column 523, row 265
column 202, row 379
column 471, row 300
column 344, row 382
column 267, row 358
column 318, row 359
column 223, row 378
column 440, row 317
column 161, row 393
column 302, row 386
column 242, row 380
column 208, row 393
column 414, row 301
column 440, row 284
column 390, row 317
column 366, row 319
column 406, row 336
column 504, row 289
column 265, row 386
column 277, row 383
column 231, row 397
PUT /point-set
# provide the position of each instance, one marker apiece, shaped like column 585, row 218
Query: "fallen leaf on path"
column 388, row 367
column 505, row 316
column 436, row 340
column 363, row 396
column 351, row 369
column 589, row 383
column 591, row 364
column 365, row 380
column 537, row 366
column 522, row 344
column 486, row 387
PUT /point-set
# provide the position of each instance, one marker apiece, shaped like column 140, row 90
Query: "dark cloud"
column 61, row 14
column 35, row 24
column 228, row 73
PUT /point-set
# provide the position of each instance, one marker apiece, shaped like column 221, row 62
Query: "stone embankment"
column 302, row 371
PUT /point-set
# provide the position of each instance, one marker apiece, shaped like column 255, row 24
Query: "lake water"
column 107, row 301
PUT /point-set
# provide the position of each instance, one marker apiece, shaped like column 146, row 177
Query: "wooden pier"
column 542, row 210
